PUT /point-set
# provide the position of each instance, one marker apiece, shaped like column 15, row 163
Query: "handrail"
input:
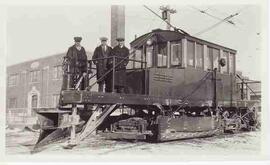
column 113, row 68
column 141, row 61
column 246, row 83
column 126, row 58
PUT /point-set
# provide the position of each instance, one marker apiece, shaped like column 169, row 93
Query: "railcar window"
column 226, row 67
column 176, row 54
column 199, row 55
column 208, row 61
column 231, row 63
column 190, row 53
column 149, row 56
column 138, row 56
column 216, row 57
column 130, row 65
column 162, row 55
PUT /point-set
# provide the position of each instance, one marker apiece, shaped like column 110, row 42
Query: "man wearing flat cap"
column 101, row 53
column 75, row 62
column 120, row 70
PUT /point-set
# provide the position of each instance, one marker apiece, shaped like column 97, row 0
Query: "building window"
column 176, row 54
column 225, row 69
column 190, row 53
column 216, row 57
column 208, row 60
column 34, row 76
column 57, row 72
column 232, row 63
column 55, row 99
column 12, row 103
column 162, row 55
column 13, row 80
column 199, row 55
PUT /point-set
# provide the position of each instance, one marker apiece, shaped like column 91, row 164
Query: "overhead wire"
column 215, row 17
column 215, row 25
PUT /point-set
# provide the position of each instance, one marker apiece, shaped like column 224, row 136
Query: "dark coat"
column 102, row 65
column 77, row 62
column 120, row 74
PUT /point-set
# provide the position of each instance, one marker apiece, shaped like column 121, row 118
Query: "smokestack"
column 117, row 23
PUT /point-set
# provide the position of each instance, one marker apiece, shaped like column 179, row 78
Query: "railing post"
column 113, row 75
column 73, row 126
column 69, row 78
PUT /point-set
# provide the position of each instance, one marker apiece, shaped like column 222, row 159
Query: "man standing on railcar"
column 99, row 58
column 75, row 64
column 121, row 53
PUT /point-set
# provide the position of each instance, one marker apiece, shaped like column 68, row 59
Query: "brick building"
column 30, row 84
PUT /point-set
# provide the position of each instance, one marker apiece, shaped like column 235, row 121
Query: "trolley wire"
column 215, row 17
column 216, row 24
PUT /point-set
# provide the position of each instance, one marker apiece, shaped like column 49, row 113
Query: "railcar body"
column 176, row 88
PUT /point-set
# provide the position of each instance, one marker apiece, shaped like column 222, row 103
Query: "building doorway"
column 33, row 101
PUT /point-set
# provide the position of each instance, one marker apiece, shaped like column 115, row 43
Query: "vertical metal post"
column 232, row 83
column 214, row 78
column 113, row 75
column 145, row 70
column 247, row 95
column 69, row 78
column 73, row 125
column 242, row 90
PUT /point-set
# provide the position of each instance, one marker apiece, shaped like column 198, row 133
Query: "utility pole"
column 166, row 14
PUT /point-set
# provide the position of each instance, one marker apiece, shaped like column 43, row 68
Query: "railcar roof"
column 168, row 35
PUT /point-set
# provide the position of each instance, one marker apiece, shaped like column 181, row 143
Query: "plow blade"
column 51, row 136
column 54, row 125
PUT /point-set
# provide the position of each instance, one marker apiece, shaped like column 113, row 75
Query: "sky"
column 35, row 31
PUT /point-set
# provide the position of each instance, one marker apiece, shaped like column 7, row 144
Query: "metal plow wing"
column 57, row 125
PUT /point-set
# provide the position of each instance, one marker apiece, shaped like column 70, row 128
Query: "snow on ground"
column 247, row 143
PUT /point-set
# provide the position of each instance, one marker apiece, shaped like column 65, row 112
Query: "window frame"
column 193, row 55
column 233, row 59
column 210, row 56
column 227, row 62
column 150, row 57
column 32, row 73
column 15, row 103
column 196, row 55
column 218, row 66
column 162, row 46
column 180, row 54
column 16, row 80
